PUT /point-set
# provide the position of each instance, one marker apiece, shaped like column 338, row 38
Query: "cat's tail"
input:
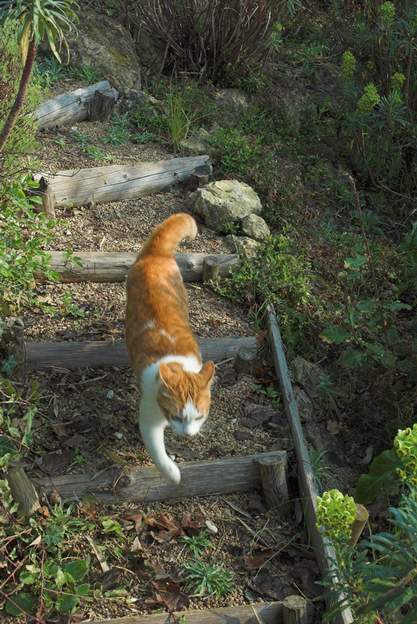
column 165, row 239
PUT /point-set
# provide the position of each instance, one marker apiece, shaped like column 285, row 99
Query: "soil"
column 88, row 418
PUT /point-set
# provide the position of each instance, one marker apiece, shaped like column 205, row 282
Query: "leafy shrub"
column 22, row 138
column 24, row 234
column 205, row 38
column 278, row 275
column 336, row 513
column 236, row 152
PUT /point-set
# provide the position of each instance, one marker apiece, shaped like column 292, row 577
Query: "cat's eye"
column 177, row 418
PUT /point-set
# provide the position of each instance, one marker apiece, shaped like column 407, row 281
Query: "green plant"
column 197, row 543
column 391, row 469
column 237, row 152
column 269, row 392
column 336, row 513
column 279, row 275
column 205, row 579
column 179, row 120
column 118, row 132
column 24, row 234
column 37, row 20
column 22, row 138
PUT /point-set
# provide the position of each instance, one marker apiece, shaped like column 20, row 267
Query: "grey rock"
column 304, row 403
column 225, row 202
column 255, row 227
column 108, row 47
column 307, row 375
column 242, row 245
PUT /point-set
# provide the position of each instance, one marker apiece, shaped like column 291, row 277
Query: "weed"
column 205, row 579
column 269, row 392
column 319, row 465
column 118, row 132
column 197, row 543
column 178, row 120
column 71, row 308
column 237, row 152
column 48, row 71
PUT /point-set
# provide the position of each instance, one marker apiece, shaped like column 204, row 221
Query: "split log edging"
column 78, row 187
column 138, row 484
column 97, row 354
column 103, row 266
column 69, row 108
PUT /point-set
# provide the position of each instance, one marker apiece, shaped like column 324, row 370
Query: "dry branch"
column 68, row 108
column 138, row 484
column 103, row 266
column 97, row 354
column 77, row 187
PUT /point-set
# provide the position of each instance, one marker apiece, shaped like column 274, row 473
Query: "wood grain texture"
column 23, row 490
column 77, row 187
column 103, row 266
column 145, row 484
column 97, row 354
column 68, row 108
column 324, row 552
column 258, row 613
column 273, row 473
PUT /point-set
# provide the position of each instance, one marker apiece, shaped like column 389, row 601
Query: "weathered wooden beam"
column 68, row 108
column 77, row 187
column 103, row 266
column 257, row 613
column 145, row 484
column 273, row 471
column 23, row 490
column 97, row 354
column 324, row 552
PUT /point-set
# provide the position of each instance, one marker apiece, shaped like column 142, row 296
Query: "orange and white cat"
column 175, row 385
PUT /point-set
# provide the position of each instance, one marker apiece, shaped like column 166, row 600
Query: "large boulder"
column 108, row 47
column 255, row 227
column 225, row 202
column 307, row 375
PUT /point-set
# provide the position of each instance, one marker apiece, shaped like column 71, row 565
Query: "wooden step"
column 78, row 187
column 145, row 484
column 111, row 266
column 97, row 354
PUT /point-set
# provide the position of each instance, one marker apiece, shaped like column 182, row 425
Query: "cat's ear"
column 207, row 373
column 170, row 374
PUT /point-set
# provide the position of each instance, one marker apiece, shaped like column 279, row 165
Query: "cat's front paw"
column 173, row 473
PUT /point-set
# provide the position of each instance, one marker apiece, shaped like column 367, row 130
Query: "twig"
column 236, row 508
column 259, row 619
column 103, row 563
column 254, row 533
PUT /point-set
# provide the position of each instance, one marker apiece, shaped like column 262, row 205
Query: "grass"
column 197, row 544
column 202, row 578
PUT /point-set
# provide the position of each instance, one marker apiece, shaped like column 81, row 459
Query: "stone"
column 307, row 375
column 104, row 44
column 242, row 245
column 255, row 227
column 211, row 527
column 135, row 98
column 196, row 144
column 304, row 403
column 225, row 202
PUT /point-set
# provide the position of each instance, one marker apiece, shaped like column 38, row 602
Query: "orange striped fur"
column 164, row 354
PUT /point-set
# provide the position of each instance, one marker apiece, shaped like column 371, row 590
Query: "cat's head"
column 184, row 397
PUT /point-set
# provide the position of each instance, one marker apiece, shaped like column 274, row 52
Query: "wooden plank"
column 145, row 484
column 68, row 108
column 257, row 613
column 103, row 266
column 77, row 187
column 324, row 552
column 97, row 354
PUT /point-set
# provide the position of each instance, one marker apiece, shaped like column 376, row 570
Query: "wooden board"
column 324, row 552
column 96, row 354
column 258, row 613
column 139, row 484
column 68, row 108
column 77, row 187
column 109, row 266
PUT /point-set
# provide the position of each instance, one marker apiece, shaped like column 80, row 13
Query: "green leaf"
column 67, row 603
column 352, row 358
column 355, row 263
column 77, row 569
column 397, row 306
column 23, row 602
column 60, row 579
column 381, row 478
column 112, row 526
column 6, row 446
column 334, row 334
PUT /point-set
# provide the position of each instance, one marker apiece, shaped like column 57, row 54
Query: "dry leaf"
column 257, row 560
column 192, row 525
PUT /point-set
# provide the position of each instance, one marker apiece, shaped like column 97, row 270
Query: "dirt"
column 87, row 419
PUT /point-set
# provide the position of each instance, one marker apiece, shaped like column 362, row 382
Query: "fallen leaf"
column 254, row 415
column 257, row 560
column 267, row 584
column 137, row 519
column 168, row 593
column 192, row 525
column 136, row 547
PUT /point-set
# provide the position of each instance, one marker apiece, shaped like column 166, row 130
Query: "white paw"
column 172, row 472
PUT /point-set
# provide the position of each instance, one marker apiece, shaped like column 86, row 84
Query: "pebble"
column 211, row 527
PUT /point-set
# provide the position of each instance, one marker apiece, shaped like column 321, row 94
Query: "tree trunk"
column 20, row 97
